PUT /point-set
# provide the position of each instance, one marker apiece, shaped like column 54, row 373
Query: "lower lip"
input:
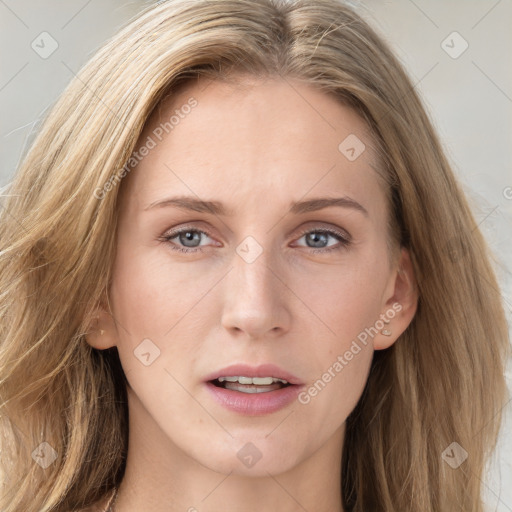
column 254, row 404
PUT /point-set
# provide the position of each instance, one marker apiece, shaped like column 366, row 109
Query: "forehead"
column 251, row 139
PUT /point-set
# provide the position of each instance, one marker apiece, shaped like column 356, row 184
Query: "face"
column 265, row 277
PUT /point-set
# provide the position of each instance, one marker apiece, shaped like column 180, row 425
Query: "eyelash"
column 342, row 238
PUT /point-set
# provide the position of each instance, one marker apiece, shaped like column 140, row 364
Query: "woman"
column 238, row 273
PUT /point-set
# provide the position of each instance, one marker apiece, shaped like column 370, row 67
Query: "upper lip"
column 245, row 370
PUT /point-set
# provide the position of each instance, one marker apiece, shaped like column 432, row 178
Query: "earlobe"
column 401, row 304
column 101, row 332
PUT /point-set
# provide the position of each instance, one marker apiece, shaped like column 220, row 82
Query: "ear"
column 102, row 330
column 400, row 302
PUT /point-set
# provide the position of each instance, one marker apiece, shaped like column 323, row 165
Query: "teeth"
column 258, row 381
column 228, row 379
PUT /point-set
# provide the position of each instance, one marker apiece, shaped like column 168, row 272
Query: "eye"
column 188, row 240
column 189, row 237
column 320, row 237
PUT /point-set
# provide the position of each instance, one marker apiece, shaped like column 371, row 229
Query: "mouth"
column 244, row 384
column 253, row 391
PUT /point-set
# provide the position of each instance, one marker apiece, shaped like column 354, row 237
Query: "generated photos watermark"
column 343, row 360
column 151, row 142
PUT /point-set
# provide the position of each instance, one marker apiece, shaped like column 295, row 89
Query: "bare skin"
column 256, row 148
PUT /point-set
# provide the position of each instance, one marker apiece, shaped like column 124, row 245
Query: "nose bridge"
column 253, row 275
column 254, row 295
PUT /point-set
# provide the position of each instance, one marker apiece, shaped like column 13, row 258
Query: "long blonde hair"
column 441, row 382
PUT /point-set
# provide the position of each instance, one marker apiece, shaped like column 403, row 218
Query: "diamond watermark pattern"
column 352, row 147
column 249, row 455
column 456, row 249
column 44, row 45
column 454, row 455
column 454, row 45
column 44, row 455
column 249, row 249
column 146, row 352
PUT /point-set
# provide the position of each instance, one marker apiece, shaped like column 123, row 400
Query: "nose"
column 255, row 299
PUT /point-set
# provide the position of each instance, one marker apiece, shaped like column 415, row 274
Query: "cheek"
column 347, row 300
column 150, row 302
column 342, row 355
column 163, row 302
column 149, row 294
column 347, row 303
column 331, row 396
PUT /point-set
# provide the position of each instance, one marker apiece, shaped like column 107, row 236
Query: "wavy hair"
column 441, row 382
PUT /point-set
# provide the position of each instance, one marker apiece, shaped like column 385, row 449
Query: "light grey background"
column 468, row 97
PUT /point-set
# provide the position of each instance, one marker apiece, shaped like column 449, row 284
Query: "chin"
column 254, row 456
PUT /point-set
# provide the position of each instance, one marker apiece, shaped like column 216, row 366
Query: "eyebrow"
column 217, row 208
